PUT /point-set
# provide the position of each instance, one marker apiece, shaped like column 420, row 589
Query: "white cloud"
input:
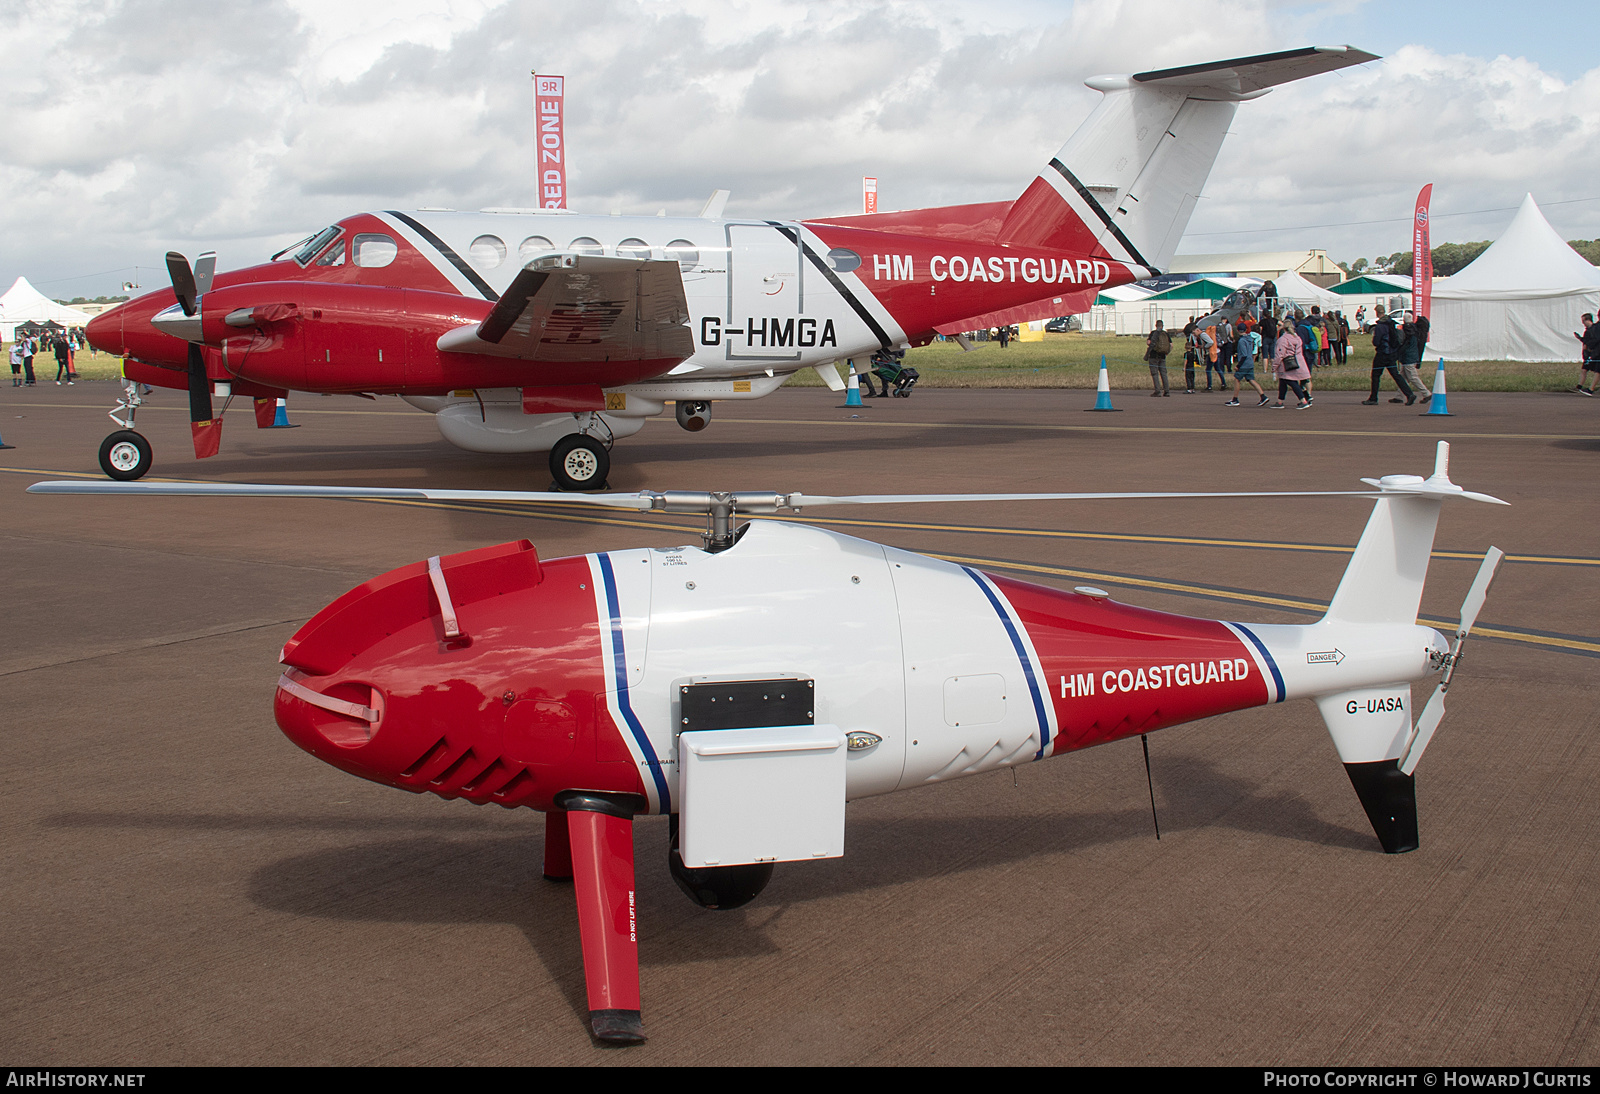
column 147, row 124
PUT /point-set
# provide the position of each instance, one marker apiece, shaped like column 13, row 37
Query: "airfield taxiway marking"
column 1582, row 645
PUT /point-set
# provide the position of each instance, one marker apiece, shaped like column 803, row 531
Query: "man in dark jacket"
column 1590, row 369
column 1157, row 346
column 1413, row 344
column 1385, row 348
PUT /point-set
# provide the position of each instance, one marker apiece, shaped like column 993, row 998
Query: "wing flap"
column 571, row 308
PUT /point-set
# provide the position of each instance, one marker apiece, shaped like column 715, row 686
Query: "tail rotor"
column 1432, row 714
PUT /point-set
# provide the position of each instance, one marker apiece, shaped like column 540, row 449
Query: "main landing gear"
column 579, row 461
column 125, row 455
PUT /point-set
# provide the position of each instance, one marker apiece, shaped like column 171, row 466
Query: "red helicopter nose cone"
column 105, row 331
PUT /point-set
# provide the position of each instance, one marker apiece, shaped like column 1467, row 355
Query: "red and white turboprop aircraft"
column 545, row 330
column 750, row 688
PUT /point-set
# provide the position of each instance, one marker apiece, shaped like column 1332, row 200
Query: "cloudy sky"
column 128, row 127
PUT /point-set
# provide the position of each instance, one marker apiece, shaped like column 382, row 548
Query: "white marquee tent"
column 1518, row 301
column 22, row 303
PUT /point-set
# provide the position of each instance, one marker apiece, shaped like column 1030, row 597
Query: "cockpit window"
column 314, row 246
column 333, row 256
column 372, row 250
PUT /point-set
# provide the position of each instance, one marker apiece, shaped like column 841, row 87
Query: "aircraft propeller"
column 1433, row 713
column 189, row 285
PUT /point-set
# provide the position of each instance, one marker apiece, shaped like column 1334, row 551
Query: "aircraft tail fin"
column 1372, row 725
column 1125, row 184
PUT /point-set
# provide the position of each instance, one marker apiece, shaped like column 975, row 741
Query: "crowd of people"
column 1291, row 343
column 64, row 345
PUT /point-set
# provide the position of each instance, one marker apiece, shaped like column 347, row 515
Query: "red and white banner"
column 869, row 195
column 548, row 122
column 1421, row 256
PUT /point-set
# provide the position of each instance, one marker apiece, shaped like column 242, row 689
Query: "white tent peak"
column 1528, row 255
column 22, row 302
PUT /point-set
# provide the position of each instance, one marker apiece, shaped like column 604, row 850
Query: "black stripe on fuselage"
column 1094, row 204
column 455, row 260
column 833, row 279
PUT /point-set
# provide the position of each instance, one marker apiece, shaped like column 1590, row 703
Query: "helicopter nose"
column 429, row 678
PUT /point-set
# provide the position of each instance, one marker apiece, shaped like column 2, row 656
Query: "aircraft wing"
column 572, row 308
column 1246, row 77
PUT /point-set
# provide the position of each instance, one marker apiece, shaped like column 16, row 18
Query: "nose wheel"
column 579, row 462
column 125, row 455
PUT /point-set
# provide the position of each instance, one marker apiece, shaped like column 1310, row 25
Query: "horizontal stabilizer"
column 1244, row 77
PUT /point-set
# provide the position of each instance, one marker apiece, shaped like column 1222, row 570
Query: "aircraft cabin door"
column 766, row 294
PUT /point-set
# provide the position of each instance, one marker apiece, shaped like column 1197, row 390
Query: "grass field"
column 1073, row 360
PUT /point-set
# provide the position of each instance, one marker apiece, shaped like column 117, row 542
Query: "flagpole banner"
column 1421, row 256
column 869, row 195
column 549, row 123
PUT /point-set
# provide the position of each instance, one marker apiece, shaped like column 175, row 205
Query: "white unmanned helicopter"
column 752, row 686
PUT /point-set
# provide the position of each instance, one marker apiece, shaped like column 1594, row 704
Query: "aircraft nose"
column 105, row 331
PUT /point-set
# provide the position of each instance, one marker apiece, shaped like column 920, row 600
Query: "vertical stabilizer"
column 1127, row 181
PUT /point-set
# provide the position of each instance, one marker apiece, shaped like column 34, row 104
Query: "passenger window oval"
column 683, row 252
column 487, row 252
column 843, row 260
column 586, row 246
column 532, row 247
column 633, row 248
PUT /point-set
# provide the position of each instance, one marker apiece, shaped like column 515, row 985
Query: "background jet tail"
column 1127, row 181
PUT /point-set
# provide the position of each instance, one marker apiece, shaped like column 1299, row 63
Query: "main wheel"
column 125, row 456
column 579, row 462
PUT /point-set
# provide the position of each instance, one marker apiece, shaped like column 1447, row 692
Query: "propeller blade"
column 182, row 281
column 199, row 386
column 1431, row 716
column 204, row 267
column 1473, row 604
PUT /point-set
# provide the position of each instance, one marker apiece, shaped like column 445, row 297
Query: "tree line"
column 1451, row 258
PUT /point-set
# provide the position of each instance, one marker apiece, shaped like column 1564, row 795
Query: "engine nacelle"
column 694, row 416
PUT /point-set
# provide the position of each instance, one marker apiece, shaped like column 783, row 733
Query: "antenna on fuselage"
column 714, row 205
column 1144, row 739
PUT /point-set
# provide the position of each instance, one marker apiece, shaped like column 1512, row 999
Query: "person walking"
column 1385, row 347
column 1590, row 368
column 1244, row 365
column 16, row 365
column 1413, row 341
column 1290, row 365
column 1157, row 345
column 27, row 360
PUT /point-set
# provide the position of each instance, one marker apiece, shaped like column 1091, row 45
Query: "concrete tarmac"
column 184, row 886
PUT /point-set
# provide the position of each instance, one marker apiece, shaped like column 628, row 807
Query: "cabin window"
column 842, row 260
column 532, row 247
column 487, row 252
column 684, row 254
column 586, row 246
column 372, row 250
column 633, row 248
